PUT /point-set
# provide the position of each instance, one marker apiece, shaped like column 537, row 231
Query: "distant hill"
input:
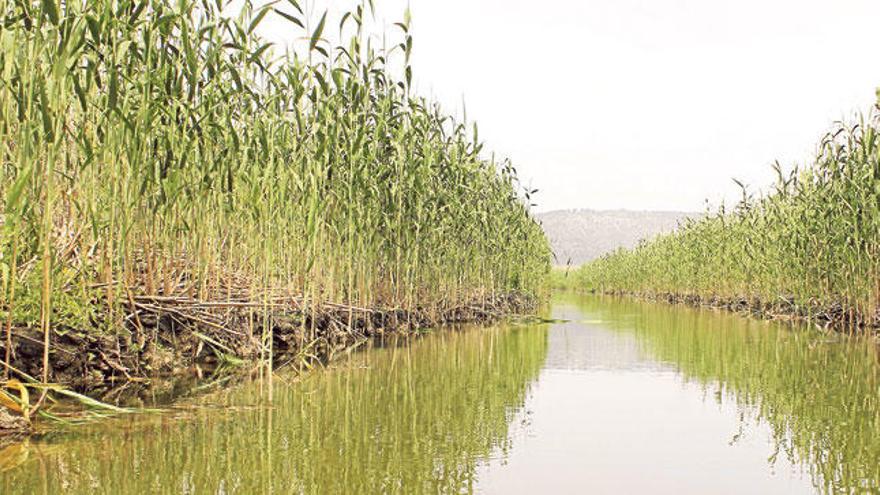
column 583, row 235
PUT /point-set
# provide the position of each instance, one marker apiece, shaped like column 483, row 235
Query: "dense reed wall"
column 162, row 148
column 811, row 246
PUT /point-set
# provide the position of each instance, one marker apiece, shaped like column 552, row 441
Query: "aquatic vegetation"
column 162, row 148
column 812, row 243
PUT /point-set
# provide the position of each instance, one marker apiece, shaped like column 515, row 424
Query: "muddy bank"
column 164, row 335
column 836, row 317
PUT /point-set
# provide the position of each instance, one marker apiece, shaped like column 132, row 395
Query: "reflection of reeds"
column 817, row 391
column 160, row 149
column 15, row 398
column 416, row 416
column 813, row 243
column 14, row 455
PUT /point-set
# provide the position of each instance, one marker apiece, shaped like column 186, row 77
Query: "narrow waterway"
column 615, row 396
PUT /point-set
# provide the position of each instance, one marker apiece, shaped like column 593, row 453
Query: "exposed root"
column 161, row 334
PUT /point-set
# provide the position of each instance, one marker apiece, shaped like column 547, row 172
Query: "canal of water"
column 615, row 396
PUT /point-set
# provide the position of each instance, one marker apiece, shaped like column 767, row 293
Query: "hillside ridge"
column 581, row 235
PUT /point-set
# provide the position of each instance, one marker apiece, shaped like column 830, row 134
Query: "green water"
column 621, row 397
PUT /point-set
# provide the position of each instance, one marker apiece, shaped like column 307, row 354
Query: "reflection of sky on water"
column 606, row 418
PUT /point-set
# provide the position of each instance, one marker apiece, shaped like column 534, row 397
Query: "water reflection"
column 644, row 398
column 624, row 397
column 400, row 419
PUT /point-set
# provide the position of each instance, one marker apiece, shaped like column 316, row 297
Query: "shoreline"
column 165, row 336
column 837, row 317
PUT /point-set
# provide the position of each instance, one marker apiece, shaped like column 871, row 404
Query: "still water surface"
column 620, row 397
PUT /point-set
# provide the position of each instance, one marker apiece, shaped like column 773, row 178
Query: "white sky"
column 642, row 104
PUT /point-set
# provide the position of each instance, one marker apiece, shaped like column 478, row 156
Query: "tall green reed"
column 163, row 147
column 814, row 240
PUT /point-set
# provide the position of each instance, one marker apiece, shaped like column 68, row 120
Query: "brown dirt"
column 836, row 317
column 12, row 425
column 163, row 335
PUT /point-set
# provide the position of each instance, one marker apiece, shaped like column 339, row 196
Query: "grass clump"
column 161, row 147
column 811, row 244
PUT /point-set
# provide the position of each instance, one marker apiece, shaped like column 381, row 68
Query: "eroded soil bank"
column 165, row 336
column 838, row 317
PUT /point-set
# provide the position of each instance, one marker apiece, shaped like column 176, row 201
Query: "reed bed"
column 165, row 169
column 810, row 247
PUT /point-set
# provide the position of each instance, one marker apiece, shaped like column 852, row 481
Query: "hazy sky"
column 643, row 104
